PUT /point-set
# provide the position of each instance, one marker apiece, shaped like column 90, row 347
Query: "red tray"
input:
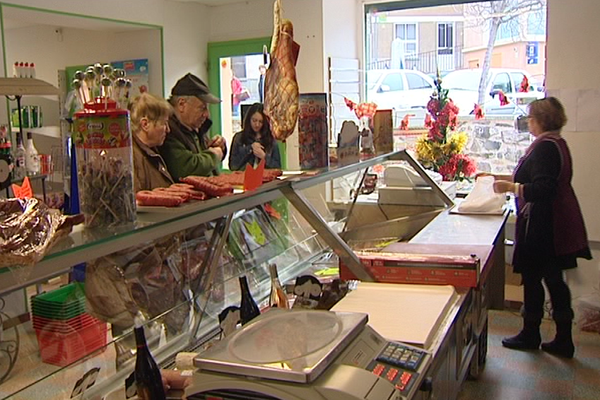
column 63, row 326
column 63, row 349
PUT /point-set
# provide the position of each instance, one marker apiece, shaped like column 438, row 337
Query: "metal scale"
column 307, row 354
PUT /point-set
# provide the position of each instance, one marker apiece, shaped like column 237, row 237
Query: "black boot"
column 528, row 339
column 562, row 345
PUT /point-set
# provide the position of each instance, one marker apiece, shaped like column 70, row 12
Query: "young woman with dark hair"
column 254, row 142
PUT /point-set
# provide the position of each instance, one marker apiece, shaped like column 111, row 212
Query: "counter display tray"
column 188, row 206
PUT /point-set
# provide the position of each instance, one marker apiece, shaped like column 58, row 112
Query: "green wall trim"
column 218, row 50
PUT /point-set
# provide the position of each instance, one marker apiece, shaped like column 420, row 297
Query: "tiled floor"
column 535, row 375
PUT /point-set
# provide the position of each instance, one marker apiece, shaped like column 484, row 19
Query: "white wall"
column 185, row 27
column 251, row 19
column 342, row 28
column 52, row 52
column 572, row 58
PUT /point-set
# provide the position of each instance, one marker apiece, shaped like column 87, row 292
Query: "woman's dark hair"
column 248, row 135
column 549, row 113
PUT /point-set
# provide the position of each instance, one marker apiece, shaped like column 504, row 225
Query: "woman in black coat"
column 254, row 142
column 550, row 232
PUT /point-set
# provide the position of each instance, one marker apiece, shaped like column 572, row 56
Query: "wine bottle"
column 248, row 307
column 147, row 374
column 32, row 157
column 277, row 298
column 19, row 172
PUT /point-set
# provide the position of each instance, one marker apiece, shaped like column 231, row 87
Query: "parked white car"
column 398, row 89
column 463, row 87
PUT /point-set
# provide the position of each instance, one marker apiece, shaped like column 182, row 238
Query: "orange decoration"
column 24, row 191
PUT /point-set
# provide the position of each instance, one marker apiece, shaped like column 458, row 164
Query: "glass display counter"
column 180, row 268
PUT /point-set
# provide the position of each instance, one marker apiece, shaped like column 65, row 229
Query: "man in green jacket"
column 187, row 149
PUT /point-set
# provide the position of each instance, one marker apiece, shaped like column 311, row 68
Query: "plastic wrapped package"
column 28, row 229
column 145, row 278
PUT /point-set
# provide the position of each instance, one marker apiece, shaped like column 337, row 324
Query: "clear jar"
column 102, row 136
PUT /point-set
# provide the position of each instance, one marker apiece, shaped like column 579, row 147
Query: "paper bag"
column 483, row 199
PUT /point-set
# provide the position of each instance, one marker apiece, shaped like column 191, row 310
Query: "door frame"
column 218, row 50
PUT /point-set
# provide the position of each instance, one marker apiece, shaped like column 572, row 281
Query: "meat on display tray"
column 190, row 205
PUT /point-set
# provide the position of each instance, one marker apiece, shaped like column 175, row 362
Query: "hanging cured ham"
column 281, row 86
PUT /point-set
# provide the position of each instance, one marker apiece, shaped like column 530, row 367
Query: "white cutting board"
column 406, row 313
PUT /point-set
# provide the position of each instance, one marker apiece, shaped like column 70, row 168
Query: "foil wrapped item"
column 28, row 229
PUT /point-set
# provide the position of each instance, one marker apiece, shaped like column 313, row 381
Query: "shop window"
column 452, row 38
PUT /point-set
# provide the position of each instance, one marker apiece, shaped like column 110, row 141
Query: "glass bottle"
column 32, row 157
column 248, row 307
column 147, row 374
column 20, row 171
column 277, row 298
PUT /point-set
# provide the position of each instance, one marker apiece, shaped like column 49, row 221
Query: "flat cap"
column 191, row 85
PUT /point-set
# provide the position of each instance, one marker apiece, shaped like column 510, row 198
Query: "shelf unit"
column 19, row 87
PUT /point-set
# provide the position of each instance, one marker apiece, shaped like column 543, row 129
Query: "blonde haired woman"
column 149, row 128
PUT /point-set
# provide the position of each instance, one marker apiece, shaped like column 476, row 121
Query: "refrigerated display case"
column 180, row 267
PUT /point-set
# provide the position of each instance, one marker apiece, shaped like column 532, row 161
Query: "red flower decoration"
column 433, row 106
column 477, row 111
column 458, row 166
column 503, row 99
column 362, row 109
column 428, row 121
column 404, row 122
column 524, row 88
column 434, row 132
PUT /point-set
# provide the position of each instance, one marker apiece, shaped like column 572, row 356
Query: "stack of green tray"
column 64, row 303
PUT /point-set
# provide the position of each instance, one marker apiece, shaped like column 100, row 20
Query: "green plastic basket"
column 63, row 303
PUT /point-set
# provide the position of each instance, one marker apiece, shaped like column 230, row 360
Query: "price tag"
column 85, row 382
column 253, row 176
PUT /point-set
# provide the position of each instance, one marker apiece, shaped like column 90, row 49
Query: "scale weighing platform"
column 308, row 354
